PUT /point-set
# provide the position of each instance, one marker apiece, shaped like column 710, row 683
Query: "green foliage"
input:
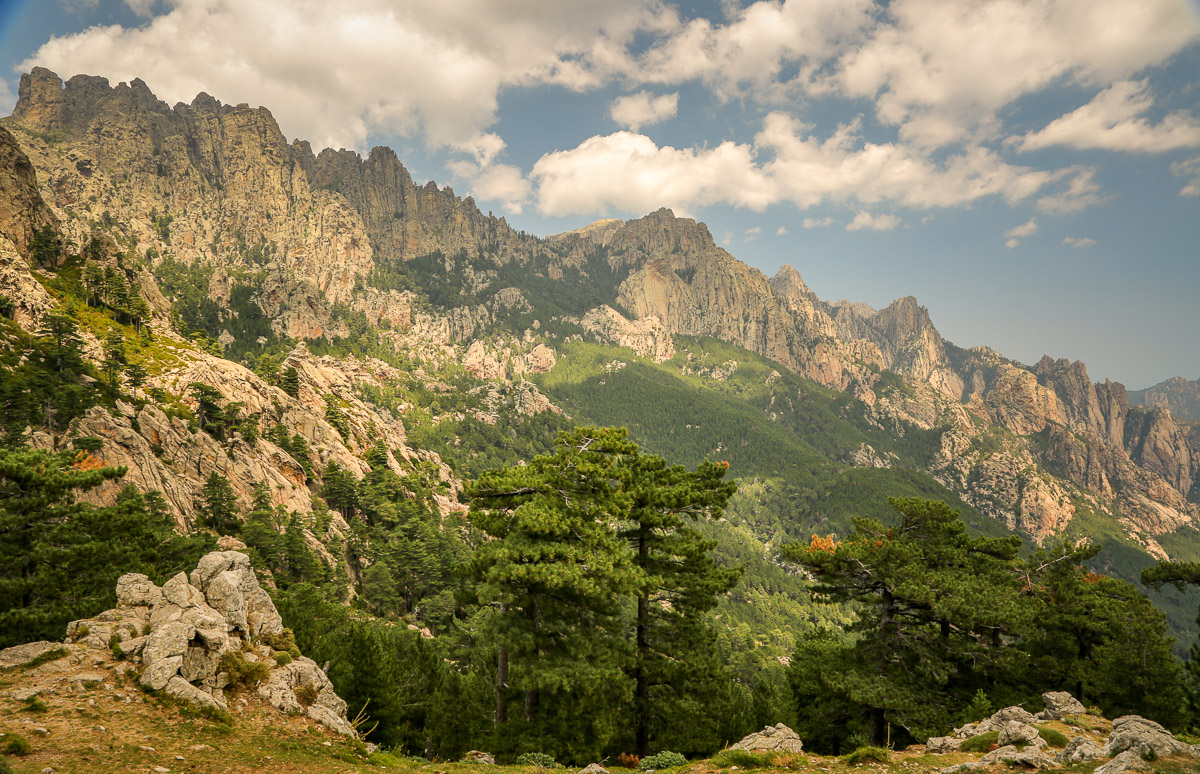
column 538, row 759
column 282, row 657
column 243, row 673
column 217, row 505
column 46, row 658
column 1053, row 738
column 15, row 744
column 44, row 381
column 662, row 760
column 980, row 743
column 290, row 381
column 934, row 606
column 34, row 704
column 743, row 759
column 979, row 708
column 59, row 558
column 46, row 246
column 867, row 754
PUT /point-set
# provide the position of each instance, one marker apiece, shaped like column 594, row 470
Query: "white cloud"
column 7, row 99
column 1112, row 121
column 643, row 109
column 1081, row 192
column 143, row 8
column 628, row 172
column 727, row 238
column 333, row 73
column 941, row 71
column 501, row 183
column 817, row 222
column 752, row 233
column 781, row 231
column 1078, row 241
column 1015, row 234
column 1189, row 169
column 866, row 221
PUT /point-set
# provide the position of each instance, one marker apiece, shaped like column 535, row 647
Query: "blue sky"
column 1028, row 169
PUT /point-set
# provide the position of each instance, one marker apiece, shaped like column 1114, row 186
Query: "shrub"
column 541, row 760
column 981, row 743
column 1052, row 737
column 243, row 673
column 15, row 744
column 867, row 754
column 285, row 640
column 114, row 645
column 83, row 631
column 628, row 760
column 34, row 704
column 664, row 760
column 47, row 657
column 282, row 657
column 5, row 768
column 742, row 759
column 306, row 695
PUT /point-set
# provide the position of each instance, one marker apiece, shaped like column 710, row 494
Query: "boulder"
column 180, row 593
column 182, row 689
column 169, row 639
column 1020, row 734
column 302, row 688
column 156, row 676
column 1060, row 704
column 1126, row 761
column 593, row 768
column 771, row 739
column 962, row 768
column 943, row 744
column 1031, row 759
column 19, row 655
column 479, row 757
column 1143, row 737
column 1079, row 750
column 136, row 590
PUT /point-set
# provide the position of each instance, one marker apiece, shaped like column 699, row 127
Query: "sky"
column 1029, row 170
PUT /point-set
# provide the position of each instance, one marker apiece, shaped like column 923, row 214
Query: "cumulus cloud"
column 781, row 231
column 1082, row 191
column 334, row 73
column 1113, row 120
column 1189, row 170
column 628, row 172
column 1015, row 234
column 501, row 183
column 7, row 99
column 1078, row 242
column 865, row 221
column 817, row 222
column 752, row 233
column 941, row 72
column 643, row 109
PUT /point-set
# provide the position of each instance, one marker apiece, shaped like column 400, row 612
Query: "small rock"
column 162, row 770
column 147, row 748
column 594, row 768
column 49, row 770
column 960, row 768
column 40, row 731
column 480, row 757
column 939, row 745
column 1059, row 704
column 178, row 757
column 1079, row 750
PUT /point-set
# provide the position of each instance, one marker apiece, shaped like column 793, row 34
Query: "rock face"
column 22, row 210
column 1145, row 737
column 1060, row 704
column 776, row 738
column 1181, row 396
column 180, row 632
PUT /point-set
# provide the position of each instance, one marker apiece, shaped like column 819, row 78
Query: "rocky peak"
column 22, row 210
column 662, row 235
column 1098, row 408
column 599, row 232
column 788, row 284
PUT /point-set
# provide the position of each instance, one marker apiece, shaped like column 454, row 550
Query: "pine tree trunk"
column 878, row 727
column 501, row 684
column 642, row 700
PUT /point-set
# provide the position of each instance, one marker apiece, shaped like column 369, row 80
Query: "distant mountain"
column 1179, row 395
column 414, row 319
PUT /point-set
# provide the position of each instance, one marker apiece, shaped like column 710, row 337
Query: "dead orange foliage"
column 85, row 461
column 826, row 544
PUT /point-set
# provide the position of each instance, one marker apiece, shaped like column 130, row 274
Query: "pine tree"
column 934, row 605
column 679, row 581
column 290, row 382
column 1179, row 575
column 555, row 571
column 218, row 505
column 114, row 358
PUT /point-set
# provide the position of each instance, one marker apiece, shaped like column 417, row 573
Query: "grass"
column 743, row 759
column 1052, row 737
column 867, row 755
column 981, row 743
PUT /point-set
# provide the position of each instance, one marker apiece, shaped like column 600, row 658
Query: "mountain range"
column 413, row 318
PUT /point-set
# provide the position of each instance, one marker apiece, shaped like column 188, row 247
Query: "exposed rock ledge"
column 178, row 633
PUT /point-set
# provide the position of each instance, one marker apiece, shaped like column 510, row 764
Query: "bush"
column 15, row 744
column 867, row 754
column 285, row 640
column 628, row 761
column 114, row 645
column 306, row 695
column 541, row 760
column 981, row 743
column 34, row 704
column 1052, row 737
column 742, row 759
column 242, row 672
column 47, row 657
column 282, row 657
column 664, row 760
column 4, row 767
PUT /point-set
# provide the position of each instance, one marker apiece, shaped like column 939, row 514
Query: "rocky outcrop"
column 182, row 633
column 1180, row 395
column 1145, row 738
column 646, row 336
column 22, row 210
column 1059, row 705
column 776, row 738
